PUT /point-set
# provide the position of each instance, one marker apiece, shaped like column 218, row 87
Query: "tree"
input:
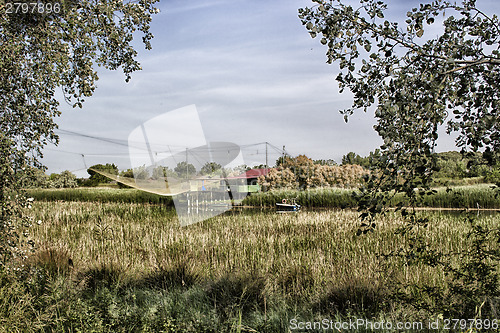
column 129, row 173
column 281, row 161
column 65, row 179
column 44, row 51
column 366, row 162
column 353, row 158
column 184, row 169
column 329, row 162
column 210, row 168
column 450, row 164
column 414, row 85
column 34, row 178
column 301, row 172
column 96, row 178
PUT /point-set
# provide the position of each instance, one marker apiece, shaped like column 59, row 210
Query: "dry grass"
column 313, row 257
column 129, row 267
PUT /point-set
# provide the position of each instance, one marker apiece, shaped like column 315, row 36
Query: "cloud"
column 250, row 67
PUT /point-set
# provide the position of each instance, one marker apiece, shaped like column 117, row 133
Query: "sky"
column 254, row 74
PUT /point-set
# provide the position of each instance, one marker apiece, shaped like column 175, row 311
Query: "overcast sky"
column 253, row 72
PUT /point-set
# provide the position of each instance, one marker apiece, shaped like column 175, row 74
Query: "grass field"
column 470, row 196
column 123, row 267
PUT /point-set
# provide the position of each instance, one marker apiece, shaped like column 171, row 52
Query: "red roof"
column 253, row 173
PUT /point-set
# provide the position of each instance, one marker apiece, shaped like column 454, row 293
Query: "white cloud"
column 250, row 67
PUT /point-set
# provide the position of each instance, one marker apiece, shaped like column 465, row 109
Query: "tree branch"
column 474, row 63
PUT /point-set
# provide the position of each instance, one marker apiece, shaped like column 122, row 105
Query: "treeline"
column 451, row 168
column 183, row 170
column 36, row 178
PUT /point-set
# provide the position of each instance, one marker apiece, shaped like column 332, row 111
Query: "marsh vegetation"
column 111, row 266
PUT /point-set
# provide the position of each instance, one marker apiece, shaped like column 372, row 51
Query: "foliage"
column 353, row 158
column 65, row 179
column 34, row 177
column 184, row 169
column 129, row 173
column 15, row 242
column 282, row 160
column 278, row 178
column 141, row 173
column 493, row 177
column 366, row 162
column 325, row 162
column 302, row 172
column 415, row 84
column 451, row 164
column 42, row 53
column 162, row 172
column 413, row 81
column 97, row 178
column 210, row 168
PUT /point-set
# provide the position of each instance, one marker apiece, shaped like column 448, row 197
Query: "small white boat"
column 287, row 205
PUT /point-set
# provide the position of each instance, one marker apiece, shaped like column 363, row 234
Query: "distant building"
column 248, row 181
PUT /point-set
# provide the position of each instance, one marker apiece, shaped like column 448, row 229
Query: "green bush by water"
column 99, row 195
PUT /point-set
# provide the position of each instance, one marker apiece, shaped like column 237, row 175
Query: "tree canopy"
column 415, row 82
column 184, row 169
column 46, row 50
column 96, row 178
column 210, row 168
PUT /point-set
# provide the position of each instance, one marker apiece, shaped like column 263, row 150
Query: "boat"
column 287, row 205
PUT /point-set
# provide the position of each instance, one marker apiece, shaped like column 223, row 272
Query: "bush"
column 301, row 172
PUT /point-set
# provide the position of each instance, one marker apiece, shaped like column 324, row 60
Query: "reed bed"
column 474, row 196
column 131, row 267
column 98, row 194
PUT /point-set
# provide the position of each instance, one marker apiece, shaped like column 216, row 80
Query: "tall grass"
column 325, row 197
column 481, row 195
column 99, row 194
column 130, row 267
column 459, row 197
